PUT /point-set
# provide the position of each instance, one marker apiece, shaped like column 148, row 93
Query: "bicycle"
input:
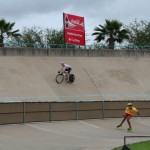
column 62, row 76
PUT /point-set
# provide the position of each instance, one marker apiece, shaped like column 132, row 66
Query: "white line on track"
column 91, row 125
column 75, row 136
column 39, row 128
column 59, row 133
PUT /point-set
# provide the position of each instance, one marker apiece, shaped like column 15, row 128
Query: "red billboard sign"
column 74, row 31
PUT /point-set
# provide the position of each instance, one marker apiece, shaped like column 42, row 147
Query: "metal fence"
column 92, row 46
column 135, row 137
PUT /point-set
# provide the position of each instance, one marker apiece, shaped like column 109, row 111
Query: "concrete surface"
column 24, row 78
column 102, row 78
column 71, row 135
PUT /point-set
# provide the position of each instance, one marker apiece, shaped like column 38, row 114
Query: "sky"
column 49, row 13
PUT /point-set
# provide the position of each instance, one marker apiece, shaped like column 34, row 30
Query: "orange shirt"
column 132, row 111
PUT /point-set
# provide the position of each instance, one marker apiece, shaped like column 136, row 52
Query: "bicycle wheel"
column 71, row 78
column 59, row 78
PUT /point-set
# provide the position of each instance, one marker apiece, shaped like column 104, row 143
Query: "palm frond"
column 112, row 31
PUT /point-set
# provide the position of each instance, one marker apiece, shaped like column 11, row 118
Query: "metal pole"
column 103, row 115
column 50, row 117
column 24, row 112
column 77, row 111
column 124, row 140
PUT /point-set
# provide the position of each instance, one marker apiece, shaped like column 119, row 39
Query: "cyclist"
column 65, row 69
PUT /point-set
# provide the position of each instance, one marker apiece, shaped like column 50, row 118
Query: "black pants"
column 68, row 70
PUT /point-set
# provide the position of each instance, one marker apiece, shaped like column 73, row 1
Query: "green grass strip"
column 137, row 146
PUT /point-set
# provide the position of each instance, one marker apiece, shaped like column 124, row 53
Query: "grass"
column 137, row 146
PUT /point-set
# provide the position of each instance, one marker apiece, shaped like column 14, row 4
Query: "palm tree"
column 112, row 32
column 6, row 30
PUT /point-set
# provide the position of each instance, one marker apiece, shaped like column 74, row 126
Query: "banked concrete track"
column 29, row 75
column 103, row 77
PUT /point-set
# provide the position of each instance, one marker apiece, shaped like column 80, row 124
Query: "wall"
column 24, row 112
column 72, row 52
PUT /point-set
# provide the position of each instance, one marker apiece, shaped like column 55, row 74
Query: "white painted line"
column 76, row 136
column 59, row 133
column 39, row 128
column 91, row 125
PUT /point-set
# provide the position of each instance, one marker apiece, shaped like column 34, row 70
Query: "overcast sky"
column 49, row 13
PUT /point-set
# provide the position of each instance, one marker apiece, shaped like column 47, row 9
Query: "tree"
column 54, row 37
column 6, row 30
column 112, row 31
column 31, row 37
column 38, row 37
column 139, row 33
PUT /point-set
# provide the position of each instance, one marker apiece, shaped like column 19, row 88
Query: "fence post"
column 24, row 112
column 50, row 117
column 124, row 146
column 77, row 111
column 103, row 115
column 124, row 140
